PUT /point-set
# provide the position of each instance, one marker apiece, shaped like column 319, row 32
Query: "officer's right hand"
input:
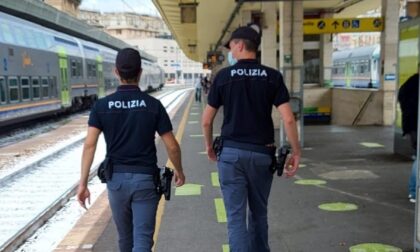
column 179, row 178
column 211, row 154
column 292, row 165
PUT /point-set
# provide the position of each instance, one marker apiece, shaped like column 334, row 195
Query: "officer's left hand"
column 292, row 165
column 83, row 193
column 211, row 154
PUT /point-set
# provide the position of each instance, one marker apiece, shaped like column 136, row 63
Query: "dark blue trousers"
column 133, row 200
column 245, row 180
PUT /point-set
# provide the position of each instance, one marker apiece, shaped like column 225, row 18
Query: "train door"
column 100, row 77
column 63, row 64
column 348, row 74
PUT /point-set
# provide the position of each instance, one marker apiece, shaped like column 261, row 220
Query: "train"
column 356, row 68
column 45, row 71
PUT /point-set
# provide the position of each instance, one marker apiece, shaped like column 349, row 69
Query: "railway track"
column 33, row 194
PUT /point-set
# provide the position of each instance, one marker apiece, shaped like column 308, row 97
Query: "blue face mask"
column 232, row 61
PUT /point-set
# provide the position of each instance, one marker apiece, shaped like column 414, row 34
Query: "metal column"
column 296, row 102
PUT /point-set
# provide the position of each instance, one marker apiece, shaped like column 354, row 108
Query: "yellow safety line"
column 161, row 207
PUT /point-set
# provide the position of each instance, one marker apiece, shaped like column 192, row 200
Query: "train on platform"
column 44, row 71
column 356, row 68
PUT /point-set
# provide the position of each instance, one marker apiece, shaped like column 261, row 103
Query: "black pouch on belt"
column 105, row 170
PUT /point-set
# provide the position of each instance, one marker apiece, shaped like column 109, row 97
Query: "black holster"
column 282, row 154
column 163, row 182
column 218, row 145
column 105, row 170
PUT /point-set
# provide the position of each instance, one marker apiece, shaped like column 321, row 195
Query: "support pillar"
column 291, row 44
column 389, row 56
column 269, row 35
column 291, row 54
column 326, row 51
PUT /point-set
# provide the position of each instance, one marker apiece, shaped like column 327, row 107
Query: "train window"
column 13, row 89
column 24, row 84
column 45, row 87
column 36, row 94
column 7, row 34
column 30, row 38
column 73, row 68
column 79, row 68
column 53, row 86
column 20, row 36
column 3, row 97
column 40, row 41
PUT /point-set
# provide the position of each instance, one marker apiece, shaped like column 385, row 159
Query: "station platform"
column 350, row 165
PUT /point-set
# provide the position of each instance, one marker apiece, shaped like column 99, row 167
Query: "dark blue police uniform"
column 247, row 91
column 129, row 119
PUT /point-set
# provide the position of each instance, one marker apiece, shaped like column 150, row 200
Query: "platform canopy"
column 197, row 34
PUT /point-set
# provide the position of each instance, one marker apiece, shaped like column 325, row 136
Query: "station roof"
column 196, row 39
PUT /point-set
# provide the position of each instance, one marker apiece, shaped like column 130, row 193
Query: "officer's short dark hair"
column 128, row 63
column 249, row 45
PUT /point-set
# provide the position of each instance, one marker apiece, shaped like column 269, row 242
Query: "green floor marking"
column 203, row 153
column 220, row 210
column 225, row 248
column 374, row 247
column 215, row 179
column 310, row 182
column 302, row 165
column 194, row 113
column 188, row 190
column 338, row 207
column 372, row 145
column 192, row 122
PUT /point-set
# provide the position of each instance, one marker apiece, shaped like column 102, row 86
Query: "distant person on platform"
column 197, row 85
column 129, row 119
column 408, row 97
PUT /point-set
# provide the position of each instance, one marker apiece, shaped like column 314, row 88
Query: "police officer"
column 247, row 91
column 129, row 119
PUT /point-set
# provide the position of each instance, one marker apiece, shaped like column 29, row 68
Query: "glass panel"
column 45, row 88
column 8, row 37
column 53, row 87
column 25, row 89
column 73, row 68
column 312, row 65
column 20, row 38
column 13, row 90
column 2, row 90
column 35, row 88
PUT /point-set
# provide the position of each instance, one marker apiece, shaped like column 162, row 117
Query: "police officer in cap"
column 247, row 91
column 129, row 119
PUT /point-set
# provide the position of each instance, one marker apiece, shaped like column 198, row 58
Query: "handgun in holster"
column 282, row 154
column 105, row 170
column 164, row 182
column 218, row 145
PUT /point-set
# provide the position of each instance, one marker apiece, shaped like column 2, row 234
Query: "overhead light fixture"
column 188, row 12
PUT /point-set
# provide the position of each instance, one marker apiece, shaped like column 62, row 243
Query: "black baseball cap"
column 249, row 32
column 128, row 62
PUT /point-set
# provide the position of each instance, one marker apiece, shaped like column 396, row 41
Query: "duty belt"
column 136, row 169
column 248, row 146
